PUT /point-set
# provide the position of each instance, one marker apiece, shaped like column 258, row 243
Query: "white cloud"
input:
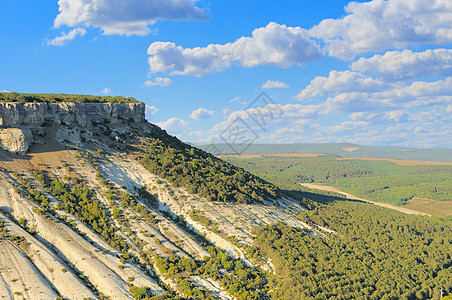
column 274, row 44
column 226, row 111
column 66, row 37
column 274, row 84
column 201, row 113
column 235, row 99
column 268, row 116
column 345, row 127
column 158, row 81
column 150, row 111
column 340, row 81
column 392, row 116
column 368, row 119
column 379, row 24
column 174, row 125
column 121, row 17
column 417, row 94
column 401, row 65
column 106, row 91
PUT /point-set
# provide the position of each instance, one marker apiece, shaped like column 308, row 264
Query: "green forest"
column 55, row 98
column 202, row 173
column 376, row 254
column 381, row 181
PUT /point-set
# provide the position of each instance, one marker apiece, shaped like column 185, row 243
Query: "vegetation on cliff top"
column 55, row 98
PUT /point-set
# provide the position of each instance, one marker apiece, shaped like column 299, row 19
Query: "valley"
column 122, row 210
column 348, row 196
column 395, row 182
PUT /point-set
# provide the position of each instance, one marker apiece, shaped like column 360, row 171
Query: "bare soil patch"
column 350, row 149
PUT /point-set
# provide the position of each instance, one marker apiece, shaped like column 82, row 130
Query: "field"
column 432, row 207
column 424, row 186
column 403, row 209
column 345, row 150
column 402, row 162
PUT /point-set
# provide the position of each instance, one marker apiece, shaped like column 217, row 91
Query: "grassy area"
column 433, row 207
column 376, row 180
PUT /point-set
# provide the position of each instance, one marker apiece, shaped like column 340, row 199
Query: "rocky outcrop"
column 67, row 113
column 74, row 120
column 15, row 140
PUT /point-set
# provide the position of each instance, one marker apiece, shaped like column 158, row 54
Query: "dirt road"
column 348, row 196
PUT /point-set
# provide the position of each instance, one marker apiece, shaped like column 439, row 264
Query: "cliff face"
column 79, row 114
column 75, row 121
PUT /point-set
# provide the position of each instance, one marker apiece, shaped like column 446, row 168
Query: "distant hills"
column 346, row 150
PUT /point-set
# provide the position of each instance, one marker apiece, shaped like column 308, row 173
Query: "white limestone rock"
column 15, row 140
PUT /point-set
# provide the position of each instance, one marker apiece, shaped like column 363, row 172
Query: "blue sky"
column 369, row 72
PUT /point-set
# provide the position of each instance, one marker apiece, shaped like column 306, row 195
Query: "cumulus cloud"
column 158, row 81
column 150, row 111
column 267, row 117
column 174, row 125
column 121, row 17
column 392, row 116
column 66, row 37
column 345, row 127
column 359, row 117
column 226, row 111
column 416, row 94
column 340, row 81
column 379, row 24
column 106, row 91
column 406, row 64
column 367, row 27
column 419, row 93
column 201, row 113
column 275, row 44
column 274, row 84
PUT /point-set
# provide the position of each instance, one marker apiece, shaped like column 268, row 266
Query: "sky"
column 368, row 72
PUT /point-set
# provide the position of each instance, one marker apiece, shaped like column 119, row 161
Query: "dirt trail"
column 349, row 196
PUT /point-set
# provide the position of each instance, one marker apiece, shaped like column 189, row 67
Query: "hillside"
column 82, row 208
column 98, row 203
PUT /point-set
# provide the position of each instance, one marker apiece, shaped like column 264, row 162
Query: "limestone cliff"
column 67, row 113
column 75, row 121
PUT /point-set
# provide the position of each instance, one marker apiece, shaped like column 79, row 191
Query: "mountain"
column 346, row 150
column 95, row 202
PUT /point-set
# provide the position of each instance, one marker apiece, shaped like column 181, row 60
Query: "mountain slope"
column 115, row 208
column 91, row 219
